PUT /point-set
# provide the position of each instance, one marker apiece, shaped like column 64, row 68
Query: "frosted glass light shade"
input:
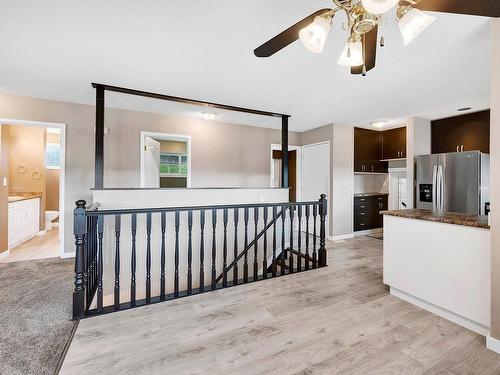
column 379, row 6
column 314, row 36
column 413, row 23
column 352, row 55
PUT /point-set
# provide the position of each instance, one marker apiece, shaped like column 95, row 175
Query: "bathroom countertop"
column 17, row 197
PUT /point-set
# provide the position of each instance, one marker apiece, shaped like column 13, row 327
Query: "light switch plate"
column 4, row 181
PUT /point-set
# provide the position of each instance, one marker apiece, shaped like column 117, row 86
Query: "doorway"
column 32, row 190
column 294, row 155
column 165, row 160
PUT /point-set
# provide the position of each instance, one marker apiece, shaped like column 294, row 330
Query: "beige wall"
column 222, row 154
column 27, row 153
column 495, row 180
column 4, row 190
column 173, row 147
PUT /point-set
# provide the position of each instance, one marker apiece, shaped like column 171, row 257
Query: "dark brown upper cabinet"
column 368, row 151
column 470, row 132
column 394, row 143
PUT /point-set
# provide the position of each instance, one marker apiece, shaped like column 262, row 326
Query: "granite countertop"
column 369, row 194
column 16, row 197
column 476, row 221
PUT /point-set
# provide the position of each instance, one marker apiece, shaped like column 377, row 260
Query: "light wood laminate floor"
column 336, row 320
column 38, row 247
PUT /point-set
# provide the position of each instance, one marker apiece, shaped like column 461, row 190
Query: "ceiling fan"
column 363, row 20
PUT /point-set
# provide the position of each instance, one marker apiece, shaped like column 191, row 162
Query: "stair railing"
column 132, row 257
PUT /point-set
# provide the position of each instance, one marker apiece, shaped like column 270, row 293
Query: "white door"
column 151, row 167
column 315, row 174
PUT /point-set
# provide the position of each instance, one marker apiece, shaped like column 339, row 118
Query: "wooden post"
column 323, row 208
column 79, row 229
column 99, row 138
column 284, row 150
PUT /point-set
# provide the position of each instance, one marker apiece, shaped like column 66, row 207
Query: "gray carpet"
column 35, row 313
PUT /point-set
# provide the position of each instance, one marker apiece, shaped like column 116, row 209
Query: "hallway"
column 38, row 247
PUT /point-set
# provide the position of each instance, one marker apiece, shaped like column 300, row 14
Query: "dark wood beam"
column 146, row 94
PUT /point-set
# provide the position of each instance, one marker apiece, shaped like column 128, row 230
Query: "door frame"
column 165, row 137
column 62, row 172
column 298, row 149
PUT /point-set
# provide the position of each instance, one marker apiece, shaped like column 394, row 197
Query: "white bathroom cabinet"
column 24, row 220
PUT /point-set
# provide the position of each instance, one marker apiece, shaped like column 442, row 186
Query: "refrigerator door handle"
column 440, row 187
column 434, row 188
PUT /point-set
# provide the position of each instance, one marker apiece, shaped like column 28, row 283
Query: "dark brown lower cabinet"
column 367, row 211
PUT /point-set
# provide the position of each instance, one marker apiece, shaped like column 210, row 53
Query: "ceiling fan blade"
column 287, row 37
column 370, row 42
column 488, row 8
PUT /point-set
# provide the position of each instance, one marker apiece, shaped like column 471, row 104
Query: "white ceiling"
column 203, row 49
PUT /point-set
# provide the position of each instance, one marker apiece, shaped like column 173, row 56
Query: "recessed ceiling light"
column 378, row 124
column 210, row 116
column 463, row 109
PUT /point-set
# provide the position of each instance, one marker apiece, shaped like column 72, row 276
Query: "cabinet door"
column 394, row 143
column 361, row 149
column 476, row 132
column 402, row 141
column 446, row 135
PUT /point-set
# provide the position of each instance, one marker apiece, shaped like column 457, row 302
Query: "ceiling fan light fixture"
column 412, row 23
column 379, row 6
column 352, row 55
column 314, row 36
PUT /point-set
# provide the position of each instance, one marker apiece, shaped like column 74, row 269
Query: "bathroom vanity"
column 24, row 218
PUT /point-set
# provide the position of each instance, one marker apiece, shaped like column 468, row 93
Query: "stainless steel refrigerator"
column 453, row 182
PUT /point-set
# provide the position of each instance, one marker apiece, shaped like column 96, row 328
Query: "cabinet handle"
column 458, row 148
column 399, row 154
column 372, row 165
column 462, row 148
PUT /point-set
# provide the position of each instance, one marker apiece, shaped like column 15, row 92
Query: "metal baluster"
column 162, row 257
column 117, row 262
column 245, row 260
column 264, row 260
column 148, row 257
column 176, row 260
column 224, row 255
column 290, row 260
column 307, row 236
column 202, row 251
column 256, row 244
column 315, row 256
column 274, row 242
column 235, row 267
column 133, row 261
column 214, row 248
column 100, row 229
column 299, row 239
column 283, row 248
column 190, row 253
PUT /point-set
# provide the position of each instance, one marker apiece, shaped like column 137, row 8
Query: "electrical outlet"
column 4, row 181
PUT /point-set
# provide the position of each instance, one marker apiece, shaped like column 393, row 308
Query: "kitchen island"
column 441, row 263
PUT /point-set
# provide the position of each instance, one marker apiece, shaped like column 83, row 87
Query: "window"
column 52, row 156
column 173, row 164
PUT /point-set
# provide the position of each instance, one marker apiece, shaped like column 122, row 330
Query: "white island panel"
column 443, row 268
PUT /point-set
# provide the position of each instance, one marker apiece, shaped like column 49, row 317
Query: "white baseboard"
column 6, row 253
column 41, row 232
column 449, row 315
column 493, row 344
column 67, row 255
column 341, row 237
